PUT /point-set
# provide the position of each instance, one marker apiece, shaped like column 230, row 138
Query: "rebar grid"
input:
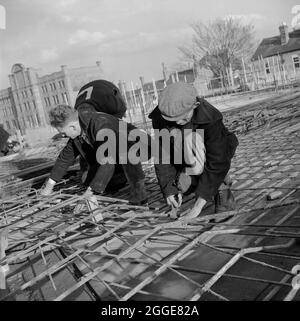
column 135, row 251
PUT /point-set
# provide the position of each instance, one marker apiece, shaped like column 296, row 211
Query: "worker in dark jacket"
column 181, row 109
column 83, row 128
column 101, row 96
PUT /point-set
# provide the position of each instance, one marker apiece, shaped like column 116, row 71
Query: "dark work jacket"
column 220, row 145
column 87, row 145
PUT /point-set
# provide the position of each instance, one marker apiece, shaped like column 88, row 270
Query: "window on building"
column 31, row 92
column 33, row 121
column 38, row 119
column 34, row 104
column 47, row 101
column 61, row 84
column 55, row 99
column 8, row 125
column 296, row 61
column 267, row 68
column 53, row 86
column 65, row 98
column 29, row 121
column 14, row 123
column 25, row 107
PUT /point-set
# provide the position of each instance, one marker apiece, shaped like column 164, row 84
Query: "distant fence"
column 264, row 75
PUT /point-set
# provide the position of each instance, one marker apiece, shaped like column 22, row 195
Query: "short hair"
column 60, row 115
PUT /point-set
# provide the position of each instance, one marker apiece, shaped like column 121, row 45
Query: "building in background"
column 145, row 95
column 8, row 113
column 278, row 58
column 27, row 102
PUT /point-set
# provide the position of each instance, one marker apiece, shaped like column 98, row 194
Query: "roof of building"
column 183, row 75
column 272, row 46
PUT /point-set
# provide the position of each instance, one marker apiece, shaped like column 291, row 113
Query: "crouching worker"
column 87, row 132
column 201, row 141
column 101, row 96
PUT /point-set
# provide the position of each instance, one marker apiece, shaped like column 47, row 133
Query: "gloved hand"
column 47, row 189
column 171, row 200
column 90, row 201
column 196, row 210
column 91, row 198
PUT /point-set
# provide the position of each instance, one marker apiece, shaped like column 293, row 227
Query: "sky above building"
column 130, row 37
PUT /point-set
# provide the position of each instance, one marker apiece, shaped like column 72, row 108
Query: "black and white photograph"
column 149, row 153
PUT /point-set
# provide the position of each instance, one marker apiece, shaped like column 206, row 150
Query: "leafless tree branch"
column 219, row 44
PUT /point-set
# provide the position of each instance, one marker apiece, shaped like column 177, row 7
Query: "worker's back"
column 101, row 96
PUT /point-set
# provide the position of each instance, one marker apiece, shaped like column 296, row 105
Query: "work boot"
column 138, row 193
column 224, row 201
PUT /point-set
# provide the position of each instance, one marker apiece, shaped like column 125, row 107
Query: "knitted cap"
column 176, row 100
column 104, row 96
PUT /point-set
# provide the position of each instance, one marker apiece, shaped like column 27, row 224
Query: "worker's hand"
column 82, row 204
column 47, row 189
column 89, row 202
column 173, row 202
column 196, row 210
column 88, row 193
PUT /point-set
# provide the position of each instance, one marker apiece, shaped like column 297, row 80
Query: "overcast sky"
column 130, row 37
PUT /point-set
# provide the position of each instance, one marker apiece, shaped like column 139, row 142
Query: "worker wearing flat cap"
column 198, row 133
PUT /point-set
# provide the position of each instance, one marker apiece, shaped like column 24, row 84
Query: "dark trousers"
column 115, row 177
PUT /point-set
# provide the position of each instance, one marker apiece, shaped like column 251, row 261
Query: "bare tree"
column 219, row 44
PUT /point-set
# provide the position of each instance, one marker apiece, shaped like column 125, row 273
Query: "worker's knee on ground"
column 84, row 176
column 117, row 182
column 83, row 164
column 184, row 182
column 228, row 180
column 194, row 153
